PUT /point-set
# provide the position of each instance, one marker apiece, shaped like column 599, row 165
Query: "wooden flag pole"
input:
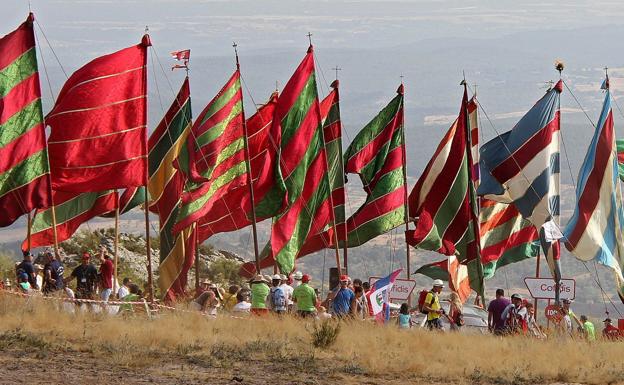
column 408, row 260
column 537, row 275
column 249, row 174
column 29, row 230
column 150, row 280
column 196, row 263
column 116, row 244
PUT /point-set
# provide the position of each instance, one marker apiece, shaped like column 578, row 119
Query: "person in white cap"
column 297, row 279
column 277, row 297
column 288, row 291
column 432, row 306
column 515, row 315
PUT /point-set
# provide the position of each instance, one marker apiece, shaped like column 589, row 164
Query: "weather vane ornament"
column 182, row 56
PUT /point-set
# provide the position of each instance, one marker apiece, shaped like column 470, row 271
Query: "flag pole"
column 331, row 198
column 150, row 281
column 474, row 207
column 29, row 231
column 537, row 275
column 249, row 174
column 196, row 262
column 116, row 244
column 404, row 169
column 345, row 248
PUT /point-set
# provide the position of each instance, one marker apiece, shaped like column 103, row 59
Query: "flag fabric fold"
column 99, row 124
column 213, row 157
column 232, row 211
column 71, row 211
column 166, row 184
column 322, row 237
column 24, row 173
column 595, row 229
column 506, row 237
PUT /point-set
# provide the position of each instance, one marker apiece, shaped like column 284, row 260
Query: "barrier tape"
column 148, row 306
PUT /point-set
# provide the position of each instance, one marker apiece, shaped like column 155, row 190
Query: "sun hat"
column 516, row 296
column 344, row 278
column 283, row 277
column 305, row 278
column 298, row 275
column 258, row 278
column 277, row 277
column 438, row 283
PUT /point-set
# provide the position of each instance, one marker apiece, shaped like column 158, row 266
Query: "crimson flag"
column 98, row 137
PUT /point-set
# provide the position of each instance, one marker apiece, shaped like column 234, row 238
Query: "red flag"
column 181, row 55
column 98, row 125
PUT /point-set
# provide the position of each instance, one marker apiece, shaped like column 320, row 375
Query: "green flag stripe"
column 20, row 123
column 24, row 172
column 512, row 255
column 370, row 170
column 66, row 211
column 304, row 222
column 218, row 129
column 22, row 68
column 449, row 207
column 175, row 129
column 503, row 231
column 221, row 101
column 294, row 182
column 298, row 111
column 379, row 225
column 216, row 184
column 375, row 126
column 388, row 183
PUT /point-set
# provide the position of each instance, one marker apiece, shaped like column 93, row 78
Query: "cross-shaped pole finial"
column 336, row 68
column 236, row 53
column 401, row 76
column 310, row 38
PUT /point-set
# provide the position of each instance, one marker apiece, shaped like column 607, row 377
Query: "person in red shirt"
column 107, row 269
column 610, row 332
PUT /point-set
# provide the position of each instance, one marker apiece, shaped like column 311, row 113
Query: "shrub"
column 324, row 333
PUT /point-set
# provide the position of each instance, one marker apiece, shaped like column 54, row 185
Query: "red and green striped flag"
column 322, row 232
column 506, row 237
column 377, row 155
column 441, row 200
column 298, row 129
column 24, row 172
column 71, row 211
column 233, row 210
column 165, row 186
column 213, row 157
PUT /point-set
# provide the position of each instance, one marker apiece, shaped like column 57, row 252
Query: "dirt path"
column 70, row 367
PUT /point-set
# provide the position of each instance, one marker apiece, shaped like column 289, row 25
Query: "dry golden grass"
column 361, row 349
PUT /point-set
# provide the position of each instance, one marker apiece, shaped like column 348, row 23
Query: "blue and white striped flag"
column 521, row 167
column 595, row 229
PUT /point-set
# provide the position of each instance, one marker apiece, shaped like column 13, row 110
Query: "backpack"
column 278, row 298
column 422, row 296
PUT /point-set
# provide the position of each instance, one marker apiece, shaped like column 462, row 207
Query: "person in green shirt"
column 305, row 298
column 588, row 329
column 132, row 297
column 259, row 293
